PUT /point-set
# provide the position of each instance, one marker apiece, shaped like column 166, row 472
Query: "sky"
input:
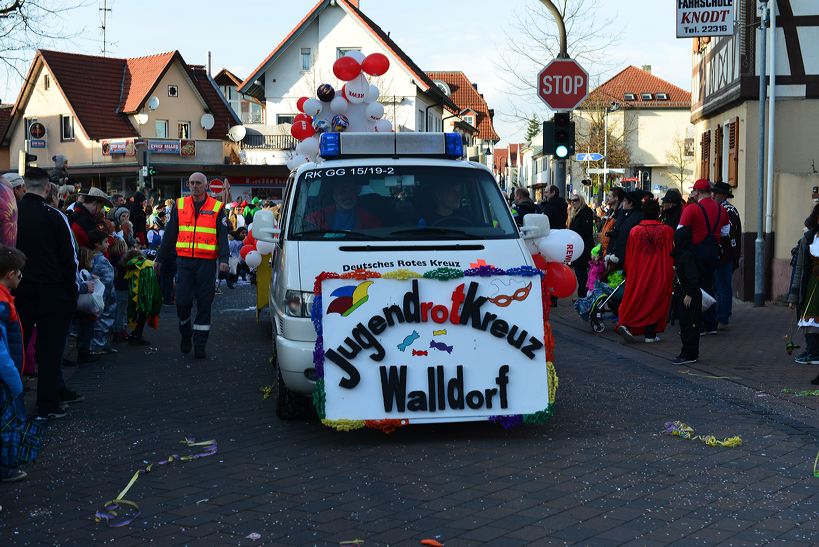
column 466, row 35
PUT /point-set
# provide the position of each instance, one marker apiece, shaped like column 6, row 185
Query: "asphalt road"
column 599, row 473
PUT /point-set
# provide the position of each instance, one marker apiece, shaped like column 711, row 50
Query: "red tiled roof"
column 223, row 116
column 141, row 76
column 637, row 81
column 5, row 119
column 514, row 149
column 465, row 95
column 500, row 157
column 92, row 86
column 422, row 80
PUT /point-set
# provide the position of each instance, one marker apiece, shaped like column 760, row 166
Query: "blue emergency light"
column 330, row 145
column 454, row 145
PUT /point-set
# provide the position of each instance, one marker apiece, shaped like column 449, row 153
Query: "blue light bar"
column 454, row 145
column 330, row 145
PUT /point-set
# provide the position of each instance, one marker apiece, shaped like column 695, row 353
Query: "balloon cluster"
column 353, row 107
column 551, row 254
column 253, row 250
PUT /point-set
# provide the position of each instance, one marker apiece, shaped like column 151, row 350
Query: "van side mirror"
column 264, row 226
column 535, row 225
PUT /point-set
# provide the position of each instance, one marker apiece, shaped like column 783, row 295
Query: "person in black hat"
column 139, row 219
column 731, row 253
column 672, row 203
column 631, row 217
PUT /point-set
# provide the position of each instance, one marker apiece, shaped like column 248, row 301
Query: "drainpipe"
column 759, row 244
column 771, row 123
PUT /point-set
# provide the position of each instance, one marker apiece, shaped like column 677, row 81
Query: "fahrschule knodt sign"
column 696, row 18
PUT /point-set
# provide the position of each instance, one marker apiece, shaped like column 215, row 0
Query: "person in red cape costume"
column 649, row 277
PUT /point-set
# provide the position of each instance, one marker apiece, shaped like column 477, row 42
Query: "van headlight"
column 298, row 303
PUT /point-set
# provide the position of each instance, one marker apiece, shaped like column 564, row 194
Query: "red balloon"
column 560, row 279
column 346, row 68
column 250, row 240
column 305, row 117
column 375, row 64
column 540, row 262
column 246, row 249
column 302, row 129
column 300, row 103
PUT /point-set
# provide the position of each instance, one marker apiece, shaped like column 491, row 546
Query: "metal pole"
column 759, row 244
column 771, row 122
column 560, row 167
column 605, row 154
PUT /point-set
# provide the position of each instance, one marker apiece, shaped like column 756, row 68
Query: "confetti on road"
column 685, row 431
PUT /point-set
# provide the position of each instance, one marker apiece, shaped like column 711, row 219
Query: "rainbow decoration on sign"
column 349, row 298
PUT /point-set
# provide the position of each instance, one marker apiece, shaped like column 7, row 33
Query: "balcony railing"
column 269, row 142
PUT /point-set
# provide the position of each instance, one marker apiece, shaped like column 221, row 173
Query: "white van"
column 379, row 202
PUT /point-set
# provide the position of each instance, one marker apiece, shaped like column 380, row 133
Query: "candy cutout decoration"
column 312, row 107
column 372, row 94
column 339, row 104
column 376, row 64
column 356, row 89
column 300, row 103
column 325, row 93
column 375, row 112
column 346, row 68
column 339, row 123
column 383, row 126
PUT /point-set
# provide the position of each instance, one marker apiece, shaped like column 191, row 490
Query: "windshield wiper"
column 336, row 234
column 432, row 230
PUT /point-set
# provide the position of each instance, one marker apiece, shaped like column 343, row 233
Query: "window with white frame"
column 285, row 118
column 470, row 119
column 184, row 130
column 66, row 128
column 342, row 51
column 161, row 129
column 306, row 59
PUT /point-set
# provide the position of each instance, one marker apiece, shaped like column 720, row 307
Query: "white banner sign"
column 697, row 18
column 430, row 350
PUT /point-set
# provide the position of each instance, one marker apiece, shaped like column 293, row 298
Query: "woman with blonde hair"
column 581, row 221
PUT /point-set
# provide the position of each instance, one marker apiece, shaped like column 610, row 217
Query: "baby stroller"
column 603, row 299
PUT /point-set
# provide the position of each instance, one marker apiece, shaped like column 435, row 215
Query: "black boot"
column 187, row 333
column 200, row 339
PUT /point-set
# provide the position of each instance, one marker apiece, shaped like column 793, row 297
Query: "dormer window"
column 630, row 96
column 646, row 96
column 661, row 96
column 443, row 87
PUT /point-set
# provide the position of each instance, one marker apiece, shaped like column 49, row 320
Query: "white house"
column 304, row 59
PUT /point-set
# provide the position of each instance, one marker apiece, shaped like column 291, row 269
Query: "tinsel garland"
column 443, row 274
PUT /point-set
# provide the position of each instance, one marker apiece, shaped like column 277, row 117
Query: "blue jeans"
column 104, row 325
column 120, row 321
column 724, row 291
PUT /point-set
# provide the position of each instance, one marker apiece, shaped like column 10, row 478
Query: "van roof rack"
column 395, row 145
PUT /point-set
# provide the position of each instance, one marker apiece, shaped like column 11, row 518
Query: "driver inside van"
column 346, row 211
column 447, row 197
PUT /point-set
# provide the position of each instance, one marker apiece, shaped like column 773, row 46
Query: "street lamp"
column 613, row 107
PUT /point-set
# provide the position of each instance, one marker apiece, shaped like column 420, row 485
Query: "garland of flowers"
column 444, row 274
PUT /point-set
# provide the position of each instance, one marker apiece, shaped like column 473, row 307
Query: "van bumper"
column 295, row 359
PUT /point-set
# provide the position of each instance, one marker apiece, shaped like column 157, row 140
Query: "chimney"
column 647, row 68
column 475, row 86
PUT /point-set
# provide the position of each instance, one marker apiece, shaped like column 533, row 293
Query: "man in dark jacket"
column 87, row 213
column 731, row 252
column 556, row 208
column 632, row 215
column 672, row 203
column 139, row 219
column 47, row 295
column 523, row 205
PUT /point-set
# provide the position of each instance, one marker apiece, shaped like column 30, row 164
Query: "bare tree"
column 590, row 123
column 680, row 158
column 26, row 25
column 532, row 40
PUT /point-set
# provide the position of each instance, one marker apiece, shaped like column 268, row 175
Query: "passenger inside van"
column 346, row 212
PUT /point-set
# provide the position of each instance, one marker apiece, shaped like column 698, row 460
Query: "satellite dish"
column 153, row 102
column 237, row 133
column 141, row 118
column 207, row 121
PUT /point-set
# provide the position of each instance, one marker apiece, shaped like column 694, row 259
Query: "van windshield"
column 406, row 202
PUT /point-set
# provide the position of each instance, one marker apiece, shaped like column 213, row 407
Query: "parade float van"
column 405, row 203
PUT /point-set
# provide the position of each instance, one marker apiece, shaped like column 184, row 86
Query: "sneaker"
column 186, row 345
column 652, row 340
column 138, row 341
column 12, row 475
column 680, row 360
column 53, row 415
column 802, row 359
column 104, row 351
column 623, row 331
column 87, row 357
column 70, row 397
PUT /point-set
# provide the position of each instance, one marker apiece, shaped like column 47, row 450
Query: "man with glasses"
column 197, row 232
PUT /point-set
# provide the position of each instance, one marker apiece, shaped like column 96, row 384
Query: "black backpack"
column 708, row 250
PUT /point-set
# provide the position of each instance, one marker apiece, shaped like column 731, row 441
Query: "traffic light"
column 563, row 135
column 24, row 159
column 152, row 172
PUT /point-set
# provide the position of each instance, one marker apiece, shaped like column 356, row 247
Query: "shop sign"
column 257, row 181
column 164, row 147
column 118, row 147
column 37, row 143
column 431, row 350
column 697, row 18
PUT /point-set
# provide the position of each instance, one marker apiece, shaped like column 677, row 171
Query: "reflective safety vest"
column 197, row 233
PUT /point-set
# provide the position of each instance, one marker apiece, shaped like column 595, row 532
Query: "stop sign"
column 563, row 84
column 216, row 186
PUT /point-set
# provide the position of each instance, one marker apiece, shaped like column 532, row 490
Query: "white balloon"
column 253, row 259
column 357, row 55
column 383, row 126
column 375, row 112
column 310, row 147
column 264, row 215
column 296, row 161
column 339, row 104
column 312, row 107
column 297, row 150
column 356, row 89
column 372, row 94
column 265, row 247
column 563, row 246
